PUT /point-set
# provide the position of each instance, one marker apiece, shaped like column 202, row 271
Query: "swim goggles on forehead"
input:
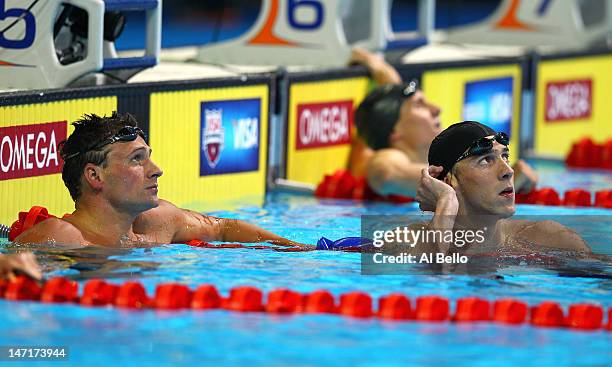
column 126, row 133
column 410, row 88
column 484, row 145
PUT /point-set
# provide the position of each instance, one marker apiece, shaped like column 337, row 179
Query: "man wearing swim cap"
column 470, row 184
column 382, row 73
column 113, row 181
column 398, row 122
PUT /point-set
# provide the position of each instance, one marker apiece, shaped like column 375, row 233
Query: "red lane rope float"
column 510, row 311
column 585, row 153
column 393, row 307
column 571, row 198
column 204, row 244
column 343, row 185
column 28, row 219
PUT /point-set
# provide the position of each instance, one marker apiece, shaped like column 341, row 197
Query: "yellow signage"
column 212, row 145
column 447, row 88
column 320, row 126
column 30, row 167
column 572, row 102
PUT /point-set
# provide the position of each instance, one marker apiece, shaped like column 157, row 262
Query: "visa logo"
column 246, row 132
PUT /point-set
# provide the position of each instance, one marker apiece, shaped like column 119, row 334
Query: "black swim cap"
column 451, row 143
column 378, row 113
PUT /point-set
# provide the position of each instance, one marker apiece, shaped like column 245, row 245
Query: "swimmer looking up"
column 470, row 185
column 382, row 73
column 113, row 181
column 398, row 122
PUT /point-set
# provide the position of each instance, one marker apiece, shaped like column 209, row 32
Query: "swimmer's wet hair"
column 378, row 113
column 88, row 131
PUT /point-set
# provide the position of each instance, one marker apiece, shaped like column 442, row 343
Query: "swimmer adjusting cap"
column 451, row 143
column 378, row 113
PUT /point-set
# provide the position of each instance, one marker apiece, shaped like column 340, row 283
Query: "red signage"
column 569, row 100
column 324, row 124
column 31, row 150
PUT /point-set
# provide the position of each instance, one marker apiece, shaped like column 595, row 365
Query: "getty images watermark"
column 408, row 245
column 410, row 237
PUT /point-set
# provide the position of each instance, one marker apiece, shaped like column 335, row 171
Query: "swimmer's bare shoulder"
column 168, row 223
column 547, row 233
column 54, row 231
column 160, row 223
column 387, row 168
column 387, row 157
column 165, row 211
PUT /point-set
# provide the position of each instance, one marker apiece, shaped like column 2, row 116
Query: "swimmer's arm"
column 420, row 247
column 446, row 205
column 444, row 218
column 525, row 177
column 52, row 230
column 359, row 156
column 190, row 225
column 234, row 230
column 391, row 172
column 14, row 264
column 381, row 71
column 553, row 234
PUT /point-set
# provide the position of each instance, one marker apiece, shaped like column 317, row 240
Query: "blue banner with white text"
column 490, row 102
column 229, row 136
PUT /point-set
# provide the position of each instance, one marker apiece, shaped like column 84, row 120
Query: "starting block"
column 572, row 24
column 53, row 43
column 317, row 32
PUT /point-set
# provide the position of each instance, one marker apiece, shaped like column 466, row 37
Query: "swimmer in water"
column 113, row 181
column 398, row 123
column 469, row 185
column 16, row 264
column 382, row 73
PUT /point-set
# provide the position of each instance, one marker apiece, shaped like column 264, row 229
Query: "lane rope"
column 391, row 307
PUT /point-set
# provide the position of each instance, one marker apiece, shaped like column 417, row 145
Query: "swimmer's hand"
column 525, row 177
column 15, row 264
column 431, row 190
column 381, row 71
column 364, row 57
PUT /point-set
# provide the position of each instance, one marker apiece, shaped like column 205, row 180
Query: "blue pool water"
column 101, row 336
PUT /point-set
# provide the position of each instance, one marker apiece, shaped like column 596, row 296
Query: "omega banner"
column 30, row 163
column 572, row 102
column 321, row 126
column 30, row 150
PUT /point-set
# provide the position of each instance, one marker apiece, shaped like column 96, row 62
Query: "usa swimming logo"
column 212, row 136
column 229, row 135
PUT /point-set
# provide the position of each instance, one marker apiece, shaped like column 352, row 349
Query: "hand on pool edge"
column 15, row 264
column 525, row 177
